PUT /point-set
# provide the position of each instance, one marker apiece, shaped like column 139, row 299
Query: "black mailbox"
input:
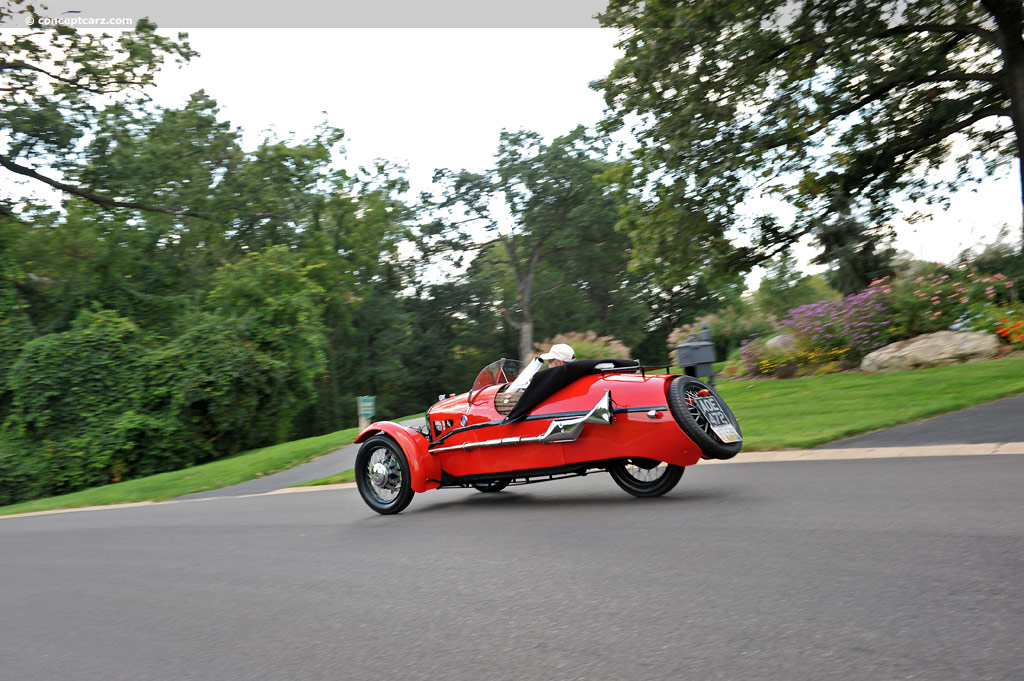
column 697, row 355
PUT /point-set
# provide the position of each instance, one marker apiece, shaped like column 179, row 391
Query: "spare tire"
column 683, row 394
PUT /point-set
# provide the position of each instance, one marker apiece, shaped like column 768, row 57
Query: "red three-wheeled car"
column 639, row 423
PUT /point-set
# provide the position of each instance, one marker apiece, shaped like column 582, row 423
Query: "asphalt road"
column 999, row 421
column 862, row 569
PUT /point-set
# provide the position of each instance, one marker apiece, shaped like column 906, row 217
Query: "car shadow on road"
column 512, row 499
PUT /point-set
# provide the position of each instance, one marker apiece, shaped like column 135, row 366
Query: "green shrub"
column 588, row 345
column 105, row 402
column 940, row 296
column 69, row 391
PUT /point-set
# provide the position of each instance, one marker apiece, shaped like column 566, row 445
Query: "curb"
column 877, row 452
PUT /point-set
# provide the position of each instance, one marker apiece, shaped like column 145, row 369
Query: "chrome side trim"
column 559, row 430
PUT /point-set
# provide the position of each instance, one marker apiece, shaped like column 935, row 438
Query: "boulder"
column 783, row 341
column 933, row 350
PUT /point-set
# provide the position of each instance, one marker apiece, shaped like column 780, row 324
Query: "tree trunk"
column 1015, row 68
column 526, row 337
column 1020, row 173
column 1009, row 18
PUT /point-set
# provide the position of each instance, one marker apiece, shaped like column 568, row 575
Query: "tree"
column 856, row 255
column 838, row 107
column 16, row 327
column 538, row 221
column 674, row 306
column 784, row 287
column 52, row 81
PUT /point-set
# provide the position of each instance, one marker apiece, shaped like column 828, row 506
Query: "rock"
column 933, row 350
column 847, row 365
column 783, row 341
column 786, row 370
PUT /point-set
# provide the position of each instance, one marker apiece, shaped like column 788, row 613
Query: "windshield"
column 501, row 371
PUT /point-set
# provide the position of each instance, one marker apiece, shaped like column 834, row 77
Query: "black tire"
column 491, row 485
column 682, row 394
column 382, row 475
column 645, row 477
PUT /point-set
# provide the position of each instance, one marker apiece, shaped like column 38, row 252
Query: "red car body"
column 588, row 415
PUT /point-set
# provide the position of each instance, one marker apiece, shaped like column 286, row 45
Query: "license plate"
column 719, row 422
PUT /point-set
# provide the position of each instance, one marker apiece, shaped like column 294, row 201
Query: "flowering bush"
column 761, row 359
column 859, row 323
column 587, row 345
column 940, row 297
column 1005, row 321
column 1012, row 330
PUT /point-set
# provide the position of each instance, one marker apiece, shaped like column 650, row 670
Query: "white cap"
column 560, row 351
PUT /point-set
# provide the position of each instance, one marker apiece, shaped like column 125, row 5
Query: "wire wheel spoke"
column 641, row 470
column 384, row 473
column 691, row 396
column 643, row 477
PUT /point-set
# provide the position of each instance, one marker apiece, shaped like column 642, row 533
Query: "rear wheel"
column 683, row 396
column 491, row 485
column 382, row 475
column 645, row 477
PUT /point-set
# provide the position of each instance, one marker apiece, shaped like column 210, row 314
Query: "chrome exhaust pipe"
column 559, row 430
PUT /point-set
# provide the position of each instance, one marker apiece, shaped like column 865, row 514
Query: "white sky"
column 430, row 98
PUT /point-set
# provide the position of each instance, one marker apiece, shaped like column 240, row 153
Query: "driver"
column 559, row 354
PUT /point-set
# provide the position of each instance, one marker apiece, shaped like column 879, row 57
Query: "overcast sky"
column 431, row 98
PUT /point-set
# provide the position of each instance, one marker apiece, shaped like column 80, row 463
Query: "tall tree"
column 839, row 107
column 53, row 79
column 785, row 287
column 855, row 253
column 538, row 220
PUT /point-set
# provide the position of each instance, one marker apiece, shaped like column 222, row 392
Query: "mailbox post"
column 697, row 355
column 366, row 404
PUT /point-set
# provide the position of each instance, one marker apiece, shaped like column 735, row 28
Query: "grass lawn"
column 213, row 475
column 344, row 476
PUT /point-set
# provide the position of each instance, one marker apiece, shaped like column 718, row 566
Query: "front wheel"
column 382, row 475
column 645, row 477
